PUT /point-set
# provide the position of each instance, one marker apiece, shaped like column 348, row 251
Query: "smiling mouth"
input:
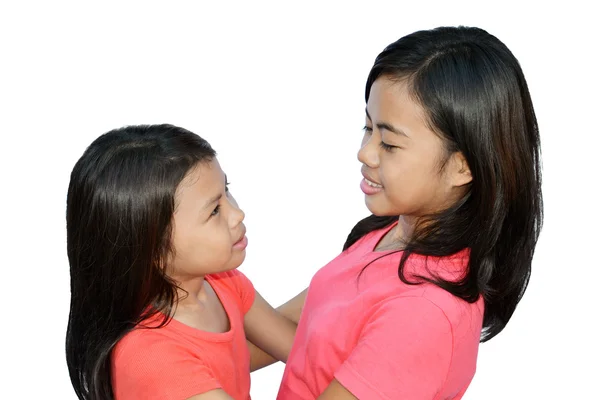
column 373, row 184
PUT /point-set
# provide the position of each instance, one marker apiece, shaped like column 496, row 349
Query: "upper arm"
column 268, row 329
column 217, row 394
column 404, row 351
column 336, row 391
column 292, row 309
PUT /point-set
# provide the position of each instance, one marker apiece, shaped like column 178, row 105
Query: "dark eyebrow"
column 387, row 127
column 392, row 129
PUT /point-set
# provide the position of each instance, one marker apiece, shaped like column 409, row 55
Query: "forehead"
column 392, row 101
column 201, row 183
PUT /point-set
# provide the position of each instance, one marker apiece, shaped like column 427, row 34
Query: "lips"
column 370, row 181
column 241, row 237
column 369, row 186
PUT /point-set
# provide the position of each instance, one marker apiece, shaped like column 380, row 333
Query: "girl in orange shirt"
column 158, row 310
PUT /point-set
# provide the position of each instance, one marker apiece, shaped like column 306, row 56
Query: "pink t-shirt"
column 381, row 338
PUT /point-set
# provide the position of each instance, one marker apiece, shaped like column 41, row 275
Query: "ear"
column 460, row 171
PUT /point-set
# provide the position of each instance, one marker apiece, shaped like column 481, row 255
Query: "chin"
column 378, row 209
column 236, row 261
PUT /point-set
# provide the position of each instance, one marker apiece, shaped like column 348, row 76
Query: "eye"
column 216, row 211
column 386, row 146
column 368, row 129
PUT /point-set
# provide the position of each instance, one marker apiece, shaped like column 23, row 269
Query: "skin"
column 206, row 224
column 416, row 176
column 291, row 310
column 207, row 231
column 217, row 394
column 400, row 152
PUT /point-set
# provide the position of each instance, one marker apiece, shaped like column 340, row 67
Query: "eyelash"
column 386, row 146
column 218, row 207
column 383, row 145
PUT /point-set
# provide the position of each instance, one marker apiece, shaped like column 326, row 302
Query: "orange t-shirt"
column 380, row 338
column 176, row 362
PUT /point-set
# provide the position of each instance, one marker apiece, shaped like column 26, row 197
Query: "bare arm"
column 217, row 394
column 335, row 391
column 272, row 341
column 293, row 307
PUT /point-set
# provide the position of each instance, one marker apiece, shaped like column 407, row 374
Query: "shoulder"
column 145, row 346
column 432, row 312
column 232, row 279
column 236, row 283
column 427, row 306
column 413, row 309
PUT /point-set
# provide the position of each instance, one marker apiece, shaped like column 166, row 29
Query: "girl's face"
column 208, row 233
column 402, row 157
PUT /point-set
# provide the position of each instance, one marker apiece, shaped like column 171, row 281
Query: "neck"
column 191, row 291
column 404, row 229
column 398, row 236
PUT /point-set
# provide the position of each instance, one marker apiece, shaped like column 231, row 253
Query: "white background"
column 278, row 90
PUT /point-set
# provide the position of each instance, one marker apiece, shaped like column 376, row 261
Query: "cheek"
column 185, row 245
column 406, row 178
column 216, row 243
column 393, row 171
column 208, row 252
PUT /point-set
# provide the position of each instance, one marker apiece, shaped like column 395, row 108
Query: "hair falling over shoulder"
column 120, row 204
column 475, row 95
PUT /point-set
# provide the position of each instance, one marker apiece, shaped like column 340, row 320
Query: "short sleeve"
column 245, row 288
column 158, row 369
column 404, row 352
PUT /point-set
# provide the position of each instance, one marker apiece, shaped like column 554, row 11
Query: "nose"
column 368, row 153
column 237, row 215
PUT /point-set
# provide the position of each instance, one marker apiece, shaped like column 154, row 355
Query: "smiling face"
column 208, row 232
column 406, row 168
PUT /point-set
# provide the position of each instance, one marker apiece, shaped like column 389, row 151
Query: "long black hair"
column 476, row 98
column 120, row 206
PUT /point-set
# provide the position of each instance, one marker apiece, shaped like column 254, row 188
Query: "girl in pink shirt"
column 451, row 174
